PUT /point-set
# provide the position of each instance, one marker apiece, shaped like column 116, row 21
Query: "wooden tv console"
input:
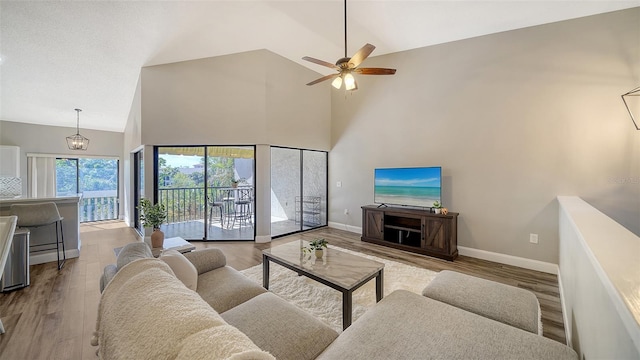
column 414, row 230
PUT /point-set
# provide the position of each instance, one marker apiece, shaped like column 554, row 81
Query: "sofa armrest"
column 108, row 274
column 206, row 260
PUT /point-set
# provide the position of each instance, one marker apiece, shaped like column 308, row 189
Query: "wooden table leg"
column 265, row 272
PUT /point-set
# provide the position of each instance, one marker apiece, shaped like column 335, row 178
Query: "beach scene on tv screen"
column 408, row 186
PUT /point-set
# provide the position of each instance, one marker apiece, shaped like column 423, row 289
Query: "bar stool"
column 38, row 215
column 242, row 210
column 215, row 204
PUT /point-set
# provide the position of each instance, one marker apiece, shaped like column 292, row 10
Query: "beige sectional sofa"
column 145, row 312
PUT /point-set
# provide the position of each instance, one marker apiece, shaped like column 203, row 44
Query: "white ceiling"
column 57, row 56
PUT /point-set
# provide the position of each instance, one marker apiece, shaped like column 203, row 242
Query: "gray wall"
column 45, row 139
column 514, row 119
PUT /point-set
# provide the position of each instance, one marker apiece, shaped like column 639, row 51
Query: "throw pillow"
column 182, row 267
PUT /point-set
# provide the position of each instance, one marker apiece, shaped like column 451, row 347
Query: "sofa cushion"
column 206, row 260
column 183, row 268
column 417, row 327
column 133, row 251
column 225, row 288
column 145, row 312
column 281, row 328
column 508, row 304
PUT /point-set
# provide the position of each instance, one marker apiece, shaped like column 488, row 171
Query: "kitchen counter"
column 68, row 206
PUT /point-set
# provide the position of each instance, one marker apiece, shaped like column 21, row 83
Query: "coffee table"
column 337, row 269
column 174, row 243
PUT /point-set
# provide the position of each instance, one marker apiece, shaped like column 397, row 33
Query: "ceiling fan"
column 347, row 66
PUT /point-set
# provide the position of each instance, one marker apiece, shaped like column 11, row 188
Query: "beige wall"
column 45, row 139
column 255, row 97
column 251, row 98
column 514, row 119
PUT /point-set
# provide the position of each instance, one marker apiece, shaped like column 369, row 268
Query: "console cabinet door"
column 434, row 234
column 373, row 224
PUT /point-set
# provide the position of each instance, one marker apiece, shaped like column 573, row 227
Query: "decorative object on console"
column 634, row 92
column 347, row 66
column 77, row 141
column 437, row 207
column 317, row 246
column 153, row 215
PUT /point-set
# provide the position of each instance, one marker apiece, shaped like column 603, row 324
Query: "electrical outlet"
column 533, row 238
column 339, row 184
column 346, row 211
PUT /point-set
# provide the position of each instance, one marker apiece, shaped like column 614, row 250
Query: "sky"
column 181, row 160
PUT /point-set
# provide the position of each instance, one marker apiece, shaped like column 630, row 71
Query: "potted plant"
column 437, row 207
column 234, row 182
column 153, row 215
column 317, row 246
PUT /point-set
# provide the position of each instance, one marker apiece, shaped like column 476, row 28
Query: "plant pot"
column 157, row 238
column 437, row 211
column 234, row 185
column 319, row 253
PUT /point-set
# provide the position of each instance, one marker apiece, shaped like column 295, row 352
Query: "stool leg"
column 64, row 256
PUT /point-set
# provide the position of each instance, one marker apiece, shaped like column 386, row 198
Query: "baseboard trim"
column 565, row 319
column 260, row 239
column 509, row 260
column 349, row 228
column 51, row 257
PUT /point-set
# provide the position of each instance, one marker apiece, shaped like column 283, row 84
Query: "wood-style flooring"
column 54, row 317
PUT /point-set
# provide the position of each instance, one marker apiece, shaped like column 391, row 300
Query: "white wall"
column 45, row 139
column 599, row 281
column 514, row 119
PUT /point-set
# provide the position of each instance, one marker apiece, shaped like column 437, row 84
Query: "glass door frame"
column 137, row 170
column 206, row 185
column 301, row 193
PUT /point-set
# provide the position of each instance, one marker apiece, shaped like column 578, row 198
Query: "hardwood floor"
column 55, row 316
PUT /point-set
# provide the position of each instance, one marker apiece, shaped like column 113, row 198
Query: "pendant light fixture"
column 77, row 141
column 634, row 92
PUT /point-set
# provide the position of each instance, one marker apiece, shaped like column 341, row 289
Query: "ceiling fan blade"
column 321, row 62
column 323, row 79
column 375, row 71
column 361, row 55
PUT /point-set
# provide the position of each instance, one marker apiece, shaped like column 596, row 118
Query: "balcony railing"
column 98, row 208
column 183, row 204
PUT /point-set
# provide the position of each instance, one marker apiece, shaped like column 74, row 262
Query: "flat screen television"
column 418, row 186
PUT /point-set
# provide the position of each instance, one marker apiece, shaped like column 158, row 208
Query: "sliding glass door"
column 208, row 191
column 298, row 190
column 96, row 179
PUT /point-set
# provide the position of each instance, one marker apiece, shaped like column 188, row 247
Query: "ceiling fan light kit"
column 347, row 66
column 77, row 141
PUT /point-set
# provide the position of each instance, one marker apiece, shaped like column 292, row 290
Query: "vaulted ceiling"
column 57, row 56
